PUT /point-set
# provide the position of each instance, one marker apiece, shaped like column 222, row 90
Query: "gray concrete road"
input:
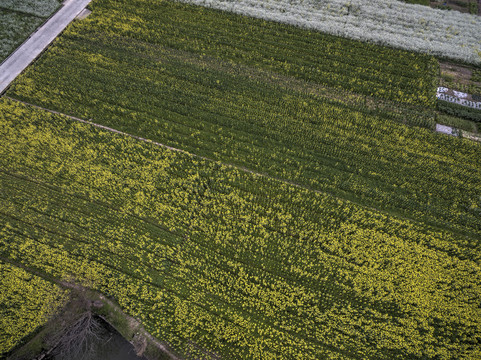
column 38, row 41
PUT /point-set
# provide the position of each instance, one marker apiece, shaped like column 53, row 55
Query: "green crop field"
column 141, row 32
column 247, row 110
column 282, row 193
column 14, row 28
column 18, row 19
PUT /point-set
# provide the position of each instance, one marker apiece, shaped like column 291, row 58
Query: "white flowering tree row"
column 462, row 102
column 413, row 27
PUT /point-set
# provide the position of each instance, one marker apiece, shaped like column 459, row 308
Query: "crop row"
column 387, row 22
column 460, row 111
column 27, row 301
column 339, row 63
column 214, row 259
column 240, row 115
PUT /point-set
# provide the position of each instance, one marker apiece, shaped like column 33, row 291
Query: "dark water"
column 109, row 346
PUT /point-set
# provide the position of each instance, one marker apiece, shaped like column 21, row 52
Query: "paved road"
column 38, row 41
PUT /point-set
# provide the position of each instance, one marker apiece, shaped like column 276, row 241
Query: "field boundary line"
column 38, row 41
column 90, row 122
column 242, row 168
column 395, row 214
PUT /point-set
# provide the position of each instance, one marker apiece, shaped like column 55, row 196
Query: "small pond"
column 109, row 345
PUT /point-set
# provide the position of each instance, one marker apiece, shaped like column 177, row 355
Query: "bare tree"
column 77, row 341
column 80, row 331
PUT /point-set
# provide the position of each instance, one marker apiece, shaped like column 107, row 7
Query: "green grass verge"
column 460, row 111
column 420, row 2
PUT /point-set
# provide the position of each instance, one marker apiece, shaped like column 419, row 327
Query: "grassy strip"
column 457, row 123
column 420, row 2
column 460, row 111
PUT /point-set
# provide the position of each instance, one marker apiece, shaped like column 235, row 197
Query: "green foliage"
column 450, row 81
column 460, row 111
column 476, row 75
column 312, row 56
column 19, row 18
column 38, row 8
column 473, row 7
column 457, row 123
column 213, row 259
column 420, row 2
column 202, row 80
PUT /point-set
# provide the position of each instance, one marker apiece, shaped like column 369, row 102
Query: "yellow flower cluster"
column 26, row 302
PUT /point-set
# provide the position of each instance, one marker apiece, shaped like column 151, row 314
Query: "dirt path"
column 38, row 42
column 109, row 129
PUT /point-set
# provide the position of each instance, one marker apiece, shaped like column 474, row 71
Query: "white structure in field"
column 441, row 95
column 388, row 22
column 460, row 94
column 448, row 130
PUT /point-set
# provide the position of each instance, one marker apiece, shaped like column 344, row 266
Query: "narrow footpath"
column 38, row 41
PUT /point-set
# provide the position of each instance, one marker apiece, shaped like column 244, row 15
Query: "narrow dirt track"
column 38, row 41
